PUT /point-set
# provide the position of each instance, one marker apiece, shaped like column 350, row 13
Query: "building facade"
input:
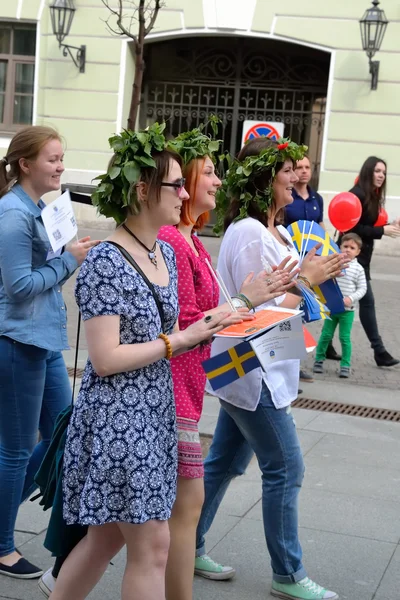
column 297, row 63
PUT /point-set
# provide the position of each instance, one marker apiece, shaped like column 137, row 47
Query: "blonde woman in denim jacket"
column 34, row 384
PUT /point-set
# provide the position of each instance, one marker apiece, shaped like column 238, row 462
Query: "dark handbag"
column 49, row 473
column 134, row 264
column 60, row 538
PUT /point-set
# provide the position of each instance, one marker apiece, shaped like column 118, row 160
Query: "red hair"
column 192, row 172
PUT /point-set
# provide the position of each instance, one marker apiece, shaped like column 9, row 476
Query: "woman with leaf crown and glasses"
column 198, row 296
column 120, row 459
column 255, row 414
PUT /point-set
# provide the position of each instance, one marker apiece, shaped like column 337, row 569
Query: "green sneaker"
column 306, row 589
column 205, row 566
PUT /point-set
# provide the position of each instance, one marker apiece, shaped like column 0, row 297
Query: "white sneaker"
column 47, row 583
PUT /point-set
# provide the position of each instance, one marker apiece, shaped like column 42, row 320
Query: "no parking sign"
column 253, row 129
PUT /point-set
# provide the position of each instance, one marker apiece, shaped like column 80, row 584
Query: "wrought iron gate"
column 238, row 79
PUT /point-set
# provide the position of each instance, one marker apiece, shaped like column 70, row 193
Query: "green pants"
column 345, row 322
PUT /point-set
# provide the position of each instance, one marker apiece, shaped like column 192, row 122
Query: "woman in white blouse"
column 255, row 415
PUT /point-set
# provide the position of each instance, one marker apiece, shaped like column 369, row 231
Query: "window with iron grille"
column 17, row 73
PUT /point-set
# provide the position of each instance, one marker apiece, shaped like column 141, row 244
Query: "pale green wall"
column 361, row 122
column 82, row 107
column 88, row 108
column 28, row 10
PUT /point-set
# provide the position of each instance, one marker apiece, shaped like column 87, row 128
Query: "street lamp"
column 373, row 26
column 62, row 13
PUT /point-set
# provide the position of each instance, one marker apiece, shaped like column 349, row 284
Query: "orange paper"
column 263, row 319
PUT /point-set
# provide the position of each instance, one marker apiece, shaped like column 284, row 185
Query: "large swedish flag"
column 330, row 294
column 307, row 234
column 228, row 366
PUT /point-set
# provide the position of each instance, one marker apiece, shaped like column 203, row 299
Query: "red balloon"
column 344, row 211
column 383, row 218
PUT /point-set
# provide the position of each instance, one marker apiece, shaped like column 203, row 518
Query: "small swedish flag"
column 313, row 308
column 230, row 365
column 306, row 235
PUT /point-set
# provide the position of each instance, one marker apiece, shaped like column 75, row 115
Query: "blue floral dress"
column 120, row 461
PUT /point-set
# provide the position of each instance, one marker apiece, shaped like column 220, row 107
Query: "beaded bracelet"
column 168, row 345
column 305, row 281
column 245, row 300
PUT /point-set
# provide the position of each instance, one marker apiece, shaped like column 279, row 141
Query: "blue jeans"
column 34, row 388
column 270, row 434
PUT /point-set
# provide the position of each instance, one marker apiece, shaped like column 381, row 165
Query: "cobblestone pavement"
column 386, row 287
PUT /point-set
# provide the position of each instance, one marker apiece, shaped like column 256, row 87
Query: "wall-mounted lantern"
column 62, row 14
column 373, row 26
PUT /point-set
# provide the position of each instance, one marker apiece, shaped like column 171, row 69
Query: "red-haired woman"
column 198, row 296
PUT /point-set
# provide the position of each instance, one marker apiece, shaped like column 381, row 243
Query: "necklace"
column 151, row 252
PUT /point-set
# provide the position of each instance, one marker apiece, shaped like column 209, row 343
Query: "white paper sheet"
column 59, row 221
column 283, row 342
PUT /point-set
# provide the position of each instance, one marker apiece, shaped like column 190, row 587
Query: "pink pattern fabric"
column 190, row 455
column 197, row 293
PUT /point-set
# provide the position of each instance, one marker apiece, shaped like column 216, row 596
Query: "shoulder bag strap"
column 78, row 332
column 134, row 264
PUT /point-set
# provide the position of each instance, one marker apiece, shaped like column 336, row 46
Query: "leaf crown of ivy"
column 196, row 144
column 133, row 152
column 240, row 173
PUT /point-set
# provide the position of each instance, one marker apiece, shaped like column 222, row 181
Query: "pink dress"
column 197, row 293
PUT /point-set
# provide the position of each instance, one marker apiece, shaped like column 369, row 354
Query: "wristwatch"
column 238, row 303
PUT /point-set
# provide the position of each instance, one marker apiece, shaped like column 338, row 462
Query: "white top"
column 243, row 245
column 353, row 283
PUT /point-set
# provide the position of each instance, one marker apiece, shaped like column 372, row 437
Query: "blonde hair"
column 27, row 143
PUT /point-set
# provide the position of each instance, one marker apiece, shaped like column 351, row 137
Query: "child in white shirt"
column 353, row 286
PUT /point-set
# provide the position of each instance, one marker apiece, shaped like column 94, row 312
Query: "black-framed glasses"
column 179, row 184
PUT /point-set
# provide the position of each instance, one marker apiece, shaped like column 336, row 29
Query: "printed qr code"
column 285, row 326
column 57, row 235
column 73, row 221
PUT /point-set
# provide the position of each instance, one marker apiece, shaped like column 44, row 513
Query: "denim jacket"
column 32, row 309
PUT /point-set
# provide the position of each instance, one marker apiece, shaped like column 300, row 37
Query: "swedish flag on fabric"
column 228, row 366
column 307, row 234
column 330, row 294
column 314, row 309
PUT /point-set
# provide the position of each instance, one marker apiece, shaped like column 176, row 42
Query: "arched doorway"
column 239, row 79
